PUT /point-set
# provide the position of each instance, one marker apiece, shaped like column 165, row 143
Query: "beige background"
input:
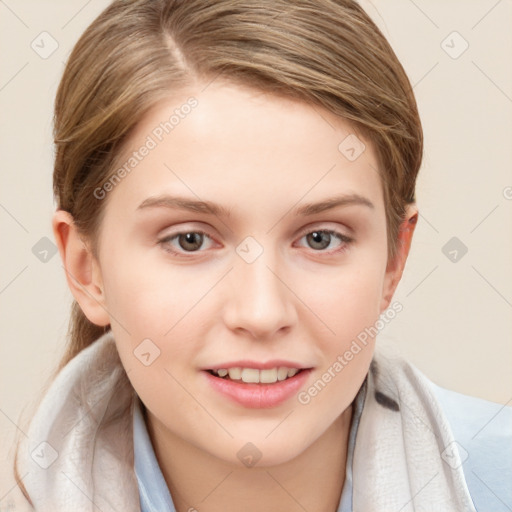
column 456, row 324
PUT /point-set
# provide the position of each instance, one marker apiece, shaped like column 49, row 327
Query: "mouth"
column 256, row 376
column 257, row 388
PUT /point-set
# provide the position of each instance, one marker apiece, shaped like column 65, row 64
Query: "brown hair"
column 328, row 53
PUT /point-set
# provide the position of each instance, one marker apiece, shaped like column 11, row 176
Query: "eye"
column 188, row 241
column 321, row 239
column 191, row 241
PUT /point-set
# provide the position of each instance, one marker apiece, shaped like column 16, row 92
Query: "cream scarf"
column 78, row 454
column 403, row 435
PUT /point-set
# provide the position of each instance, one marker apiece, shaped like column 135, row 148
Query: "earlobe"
column 396, row 267
column 83, row 274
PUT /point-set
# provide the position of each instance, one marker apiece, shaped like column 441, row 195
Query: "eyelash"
column 164, row 242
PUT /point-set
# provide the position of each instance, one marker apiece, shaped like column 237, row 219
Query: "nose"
column 260, row 302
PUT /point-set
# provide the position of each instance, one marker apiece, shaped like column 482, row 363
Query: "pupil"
column 195, row 239
column 319, row 237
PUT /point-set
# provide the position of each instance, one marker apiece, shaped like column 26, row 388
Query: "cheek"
column 346, row 299
column 348, row 303
column 150, row 297
column 153, row 311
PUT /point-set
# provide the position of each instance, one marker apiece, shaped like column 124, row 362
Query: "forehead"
column 238, row 145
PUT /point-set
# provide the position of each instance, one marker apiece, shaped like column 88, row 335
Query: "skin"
column 260, row 156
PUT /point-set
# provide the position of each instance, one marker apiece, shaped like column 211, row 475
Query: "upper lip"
column 245, row 363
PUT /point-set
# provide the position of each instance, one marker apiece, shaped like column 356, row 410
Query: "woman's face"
column 273, row 273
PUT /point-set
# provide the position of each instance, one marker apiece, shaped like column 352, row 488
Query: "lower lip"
column 258, row 396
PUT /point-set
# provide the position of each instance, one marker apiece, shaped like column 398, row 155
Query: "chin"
column 256, row 451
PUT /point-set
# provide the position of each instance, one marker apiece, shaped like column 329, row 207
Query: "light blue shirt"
column 483, row 436
column 482, row 431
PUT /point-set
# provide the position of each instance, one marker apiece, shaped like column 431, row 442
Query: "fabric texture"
column 78, row 454
column 483, row 439
column 402, row 435
column 79, row 451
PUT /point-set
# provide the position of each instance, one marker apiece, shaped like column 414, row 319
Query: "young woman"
column 235, row 184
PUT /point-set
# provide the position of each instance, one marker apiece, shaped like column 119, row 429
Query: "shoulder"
column 483, row 436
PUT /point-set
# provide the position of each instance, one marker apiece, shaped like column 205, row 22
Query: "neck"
column 311, row 481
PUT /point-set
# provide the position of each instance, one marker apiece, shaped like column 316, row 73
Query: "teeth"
column 282, row 373
column 268, row 376
column 254, row 376
column 250, row 375
column 235, row 373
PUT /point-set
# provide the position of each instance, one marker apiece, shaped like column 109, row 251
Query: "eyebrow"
column 182, row 203
column 333, row 202
column 208, row 207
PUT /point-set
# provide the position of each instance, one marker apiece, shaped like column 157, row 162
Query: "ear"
column 395, row 267
column 83, row 273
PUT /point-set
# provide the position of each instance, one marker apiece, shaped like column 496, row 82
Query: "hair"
column 327, row 53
